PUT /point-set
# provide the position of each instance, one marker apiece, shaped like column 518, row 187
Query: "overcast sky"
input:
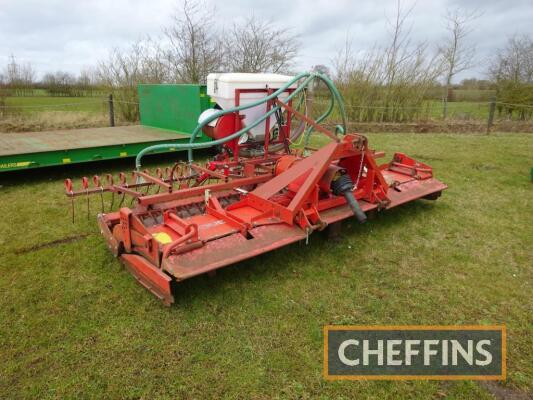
column 71, row 34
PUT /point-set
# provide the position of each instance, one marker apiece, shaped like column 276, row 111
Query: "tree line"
column 388, row 83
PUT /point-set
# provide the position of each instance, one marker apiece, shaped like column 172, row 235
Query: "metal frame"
column 192, row 226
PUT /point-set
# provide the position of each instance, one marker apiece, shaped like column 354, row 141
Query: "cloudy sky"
column 72, row 34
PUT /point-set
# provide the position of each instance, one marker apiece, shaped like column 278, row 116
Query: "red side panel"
column 414, row 189
column 155, row 280
column 231, row 249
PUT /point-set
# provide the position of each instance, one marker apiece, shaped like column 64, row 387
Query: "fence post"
column 492, row 108
column 111, row 111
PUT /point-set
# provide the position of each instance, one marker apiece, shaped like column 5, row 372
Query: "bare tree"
column 388, row 83
column 195, row 48
column 512, row 72
column 259, row 46
column 399, row 49
column 514, row 62
column 59, row 83
column 322, row 69
column 124, row 70
column 344, row 60
column 19, row 76
column 457, row 56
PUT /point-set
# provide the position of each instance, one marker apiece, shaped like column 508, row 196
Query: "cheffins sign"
column 414, row 352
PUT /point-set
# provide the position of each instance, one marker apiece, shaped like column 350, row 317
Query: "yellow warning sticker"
column 66, row 160
column 123, row 154
column 162, row 237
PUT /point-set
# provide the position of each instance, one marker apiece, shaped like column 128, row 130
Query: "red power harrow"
column 191, row 219
column 204, row 218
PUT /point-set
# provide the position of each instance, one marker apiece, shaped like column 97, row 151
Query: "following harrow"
column 191, row 219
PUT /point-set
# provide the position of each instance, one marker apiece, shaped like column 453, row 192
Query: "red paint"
column 255, row 205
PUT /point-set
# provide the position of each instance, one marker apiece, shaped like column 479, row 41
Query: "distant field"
column 31, row 105
column 430, row 109
column 38, row 113
column 473, row 94
column 462, row 110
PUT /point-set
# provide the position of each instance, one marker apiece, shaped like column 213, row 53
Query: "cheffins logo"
column 415, row 352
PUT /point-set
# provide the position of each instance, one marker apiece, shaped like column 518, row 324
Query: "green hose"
column 335, row 95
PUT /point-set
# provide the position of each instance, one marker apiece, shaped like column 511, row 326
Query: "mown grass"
column 76, row 325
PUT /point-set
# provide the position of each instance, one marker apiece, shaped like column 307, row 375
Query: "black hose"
column 343, row 185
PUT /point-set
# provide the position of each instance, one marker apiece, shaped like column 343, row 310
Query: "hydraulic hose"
column 343, row 185
column 309, row 76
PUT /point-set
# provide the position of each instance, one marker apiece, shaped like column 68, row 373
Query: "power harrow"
column 259, row 193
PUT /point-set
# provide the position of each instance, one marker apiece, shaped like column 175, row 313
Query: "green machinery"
column 169, row 113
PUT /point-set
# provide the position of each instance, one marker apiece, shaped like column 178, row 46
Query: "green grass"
column 458, row 110
column 76, row 325
column 35, row 104
column 473, row 94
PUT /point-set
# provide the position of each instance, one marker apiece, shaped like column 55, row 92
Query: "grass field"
column 35, row 104
column 76, row 325
column 429, row 110
column 31, row 105
column 40, row 113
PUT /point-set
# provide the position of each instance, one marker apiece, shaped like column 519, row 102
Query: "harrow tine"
column 174, row 175
column 85, row 184
column 97, row 184
column 68, row 187
column 159, row 174
column 147, row 186
column 134, row 180
column 109, row 180
column 122, row 178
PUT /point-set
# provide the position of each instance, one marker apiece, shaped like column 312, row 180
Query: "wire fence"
column 434, row 111
column 108, row 109
column 25, row 113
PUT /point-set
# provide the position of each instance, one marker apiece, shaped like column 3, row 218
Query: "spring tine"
column 85, row 184
column 177, row 171
column 68, row 187
column 109, row 179
column 122, row 178
column 159, row 174
column 134, row 179
column 146, row 171
column 98, row 184
column 122, row 199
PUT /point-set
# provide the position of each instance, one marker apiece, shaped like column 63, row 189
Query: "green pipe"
column 336, row 95
column 191, row 145
column 250, row 105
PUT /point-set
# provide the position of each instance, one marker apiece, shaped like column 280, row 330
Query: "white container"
column 221, row 87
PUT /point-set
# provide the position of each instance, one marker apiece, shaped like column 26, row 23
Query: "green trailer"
column 169, row 113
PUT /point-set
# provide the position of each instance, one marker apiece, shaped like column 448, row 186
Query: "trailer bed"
column 48, row 148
